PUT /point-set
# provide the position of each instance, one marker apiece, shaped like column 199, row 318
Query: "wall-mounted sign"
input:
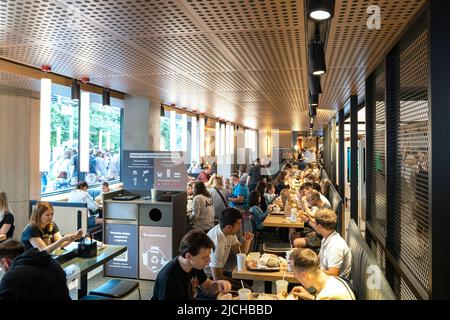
column 162, row 170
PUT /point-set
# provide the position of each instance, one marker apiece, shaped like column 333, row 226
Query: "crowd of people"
column 322, row 261
column 63, row 174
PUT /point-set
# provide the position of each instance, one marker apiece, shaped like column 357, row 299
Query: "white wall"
column 19, row 155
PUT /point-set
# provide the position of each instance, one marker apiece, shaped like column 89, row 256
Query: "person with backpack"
column 219, row 197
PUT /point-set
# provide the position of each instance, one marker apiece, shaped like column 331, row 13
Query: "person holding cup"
column 183, row 278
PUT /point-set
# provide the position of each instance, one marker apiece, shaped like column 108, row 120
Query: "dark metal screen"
column 327, row 148
column 376, row 188
column 398, row 115
column 410, row 242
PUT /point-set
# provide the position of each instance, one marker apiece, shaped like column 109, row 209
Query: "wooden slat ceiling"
column 243, row 61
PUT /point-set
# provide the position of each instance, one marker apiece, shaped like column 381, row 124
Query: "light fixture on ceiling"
column 314, row 100
column 314, row 84
column 45, row 119
column 312, row 111
column 162, row 112
column 320, row 10
column 75, row 90
column 106, row 97
column 316, row 57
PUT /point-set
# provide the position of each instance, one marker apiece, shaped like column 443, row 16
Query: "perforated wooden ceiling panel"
column 353, row 50
column 242, row 60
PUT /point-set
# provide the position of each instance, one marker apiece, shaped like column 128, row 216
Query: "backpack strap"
column 349, row 290
column 221, row 196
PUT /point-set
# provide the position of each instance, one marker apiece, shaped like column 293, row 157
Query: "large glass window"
column 63, row 142
column 165, row 134
column 104, row 142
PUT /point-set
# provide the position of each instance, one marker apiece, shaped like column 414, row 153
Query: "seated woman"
column 279, row 182
column 254, row 199
column 6, row 218
column 42, row 233
column 202, row 217
column 269, row 194
column 80, row 195
column 105, row 189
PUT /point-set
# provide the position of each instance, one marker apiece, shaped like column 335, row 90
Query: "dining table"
column 267, row 277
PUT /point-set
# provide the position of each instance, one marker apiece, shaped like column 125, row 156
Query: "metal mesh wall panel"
column 376, row 188
column 410, row 209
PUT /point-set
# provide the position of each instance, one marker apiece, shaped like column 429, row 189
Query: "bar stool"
column 116, row 289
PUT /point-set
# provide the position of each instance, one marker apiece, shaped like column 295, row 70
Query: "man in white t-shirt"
column 306, row 266
column 335, row 255
column 225, row 241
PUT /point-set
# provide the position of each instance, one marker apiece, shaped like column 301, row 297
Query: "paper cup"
column 293, row 217
column 245, row 294
column 227, row 296
column 153, row 194
column 240, row 261
column 282, row 286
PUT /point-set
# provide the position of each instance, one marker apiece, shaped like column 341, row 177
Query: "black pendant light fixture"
column 311, row 123
column 314, row 100
column 316, row 56
column 75, row 90
column 320, row 10
column 314, row 85
column 106, row 97
column 312, row 111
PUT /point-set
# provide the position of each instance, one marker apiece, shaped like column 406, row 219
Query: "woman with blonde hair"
column 6, row 218
column 219, row 197
column 42, row 233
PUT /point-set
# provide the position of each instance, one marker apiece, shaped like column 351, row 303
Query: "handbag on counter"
column 87, row 250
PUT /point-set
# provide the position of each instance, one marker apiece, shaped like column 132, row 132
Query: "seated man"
column 306, row 266
column 335, row 255
column 182, row 277
column 31, row 274
column 80, row 195
column 313, row 201
column 225, row 240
